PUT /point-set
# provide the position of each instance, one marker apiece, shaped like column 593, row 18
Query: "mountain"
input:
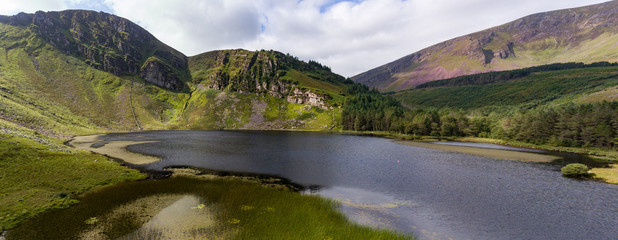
column 109, row 43
column 79, row 72
column 586, row 34
column 261, row 90
column 543, row 86
column 266, row 72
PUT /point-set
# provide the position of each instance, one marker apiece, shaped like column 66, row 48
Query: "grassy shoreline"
column 240, row 207
column 56, row 181
column 597, row 153
column 71, row 174
column 607, row 174
column 114, row 149
column 484, row 152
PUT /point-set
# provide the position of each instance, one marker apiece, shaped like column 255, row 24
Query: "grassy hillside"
column 48, row 95
column 60, row 95
column 536, row 89
column 585, row 34
column 109, row 43
column 47, row 90
column 264, row 72
column 39, row 173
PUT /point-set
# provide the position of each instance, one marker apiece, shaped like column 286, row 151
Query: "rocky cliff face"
column 586, row 34
column 109, row 43
column 261, row 72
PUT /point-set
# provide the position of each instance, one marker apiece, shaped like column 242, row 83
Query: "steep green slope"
column 44, row 89
column 530, row 91
column 586, row 34
column 265, row 72
column 77, row 72
column 109, row 43
column 261, row 90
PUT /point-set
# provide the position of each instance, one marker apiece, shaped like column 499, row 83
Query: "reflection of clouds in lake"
column 186, row 218
column 366, row 207
column 446, row 193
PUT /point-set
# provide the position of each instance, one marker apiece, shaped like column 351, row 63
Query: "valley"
column 90, row 103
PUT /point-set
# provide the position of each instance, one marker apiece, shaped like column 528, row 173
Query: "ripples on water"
column 435, row 194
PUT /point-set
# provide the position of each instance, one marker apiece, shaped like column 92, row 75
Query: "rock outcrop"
column 158, row 73
column 260, row 72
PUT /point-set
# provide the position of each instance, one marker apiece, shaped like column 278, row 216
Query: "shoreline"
column 117, row 150
column 484, row 152
column 113, row 149
column 607, row 155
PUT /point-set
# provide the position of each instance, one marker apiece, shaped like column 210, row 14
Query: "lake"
column 432, row 193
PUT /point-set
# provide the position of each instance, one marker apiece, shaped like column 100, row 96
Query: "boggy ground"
column 39, row 183
column 222, row 207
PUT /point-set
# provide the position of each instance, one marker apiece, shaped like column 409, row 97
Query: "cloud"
column 11, row 7
column 350, row 36
column 194, row 26
column 355, row 36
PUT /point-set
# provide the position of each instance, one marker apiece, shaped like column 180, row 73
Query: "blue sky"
column 350, row 36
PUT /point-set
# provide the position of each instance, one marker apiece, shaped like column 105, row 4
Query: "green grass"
column 609, row 174
column 213, row 109
column 531, row 91
column 242, row 210
column 306, row 81
column 47, row 90
column 37, row 177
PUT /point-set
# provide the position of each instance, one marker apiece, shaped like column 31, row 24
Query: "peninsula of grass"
column 241, row 209
column 51, row 191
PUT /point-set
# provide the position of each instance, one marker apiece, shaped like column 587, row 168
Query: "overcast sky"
column 350, row 36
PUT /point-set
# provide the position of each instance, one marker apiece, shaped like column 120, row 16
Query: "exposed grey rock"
column 160, row 74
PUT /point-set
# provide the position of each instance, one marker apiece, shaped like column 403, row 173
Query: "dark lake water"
column 433, row 193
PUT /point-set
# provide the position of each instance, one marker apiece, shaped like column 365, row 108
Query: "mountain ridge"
column 558, row 36
column 80, row 72
column 109, row 43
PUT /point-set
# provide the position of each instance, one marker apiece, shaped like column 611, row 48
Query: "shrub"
column 575, row 170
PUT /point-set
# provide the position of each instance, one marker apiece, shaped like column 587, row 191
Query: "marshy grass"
column 241, row 210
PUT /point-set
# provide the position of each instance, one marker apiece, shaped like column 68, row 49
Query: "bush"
column 575, row 170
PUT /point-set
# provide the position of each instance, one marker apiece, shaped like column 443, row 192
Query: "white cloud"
column 350, row 36
column 11, row 7
column 194, row 26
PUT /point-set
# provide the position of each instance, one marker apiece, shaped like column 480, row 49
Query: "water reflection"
column 186, row 218
column 434, row 193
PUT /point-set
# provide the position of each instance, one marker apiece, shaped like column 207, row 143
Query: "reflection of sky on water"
column 182, row 219
column 384, row 211
column 435, row 194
